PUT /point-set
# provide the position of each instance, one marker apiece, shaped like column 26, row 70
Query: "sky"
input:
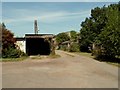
column 60, row 0
column 52, row 17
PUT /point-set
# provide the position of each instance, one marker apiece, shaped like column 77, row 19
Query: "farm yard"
column 76, row 46
column 68, row 71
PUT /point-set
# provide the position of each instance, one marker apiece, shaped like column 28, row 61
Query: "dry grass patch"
column 41, row 57
column 54, row 56
column 70, row 55
column 13, row 59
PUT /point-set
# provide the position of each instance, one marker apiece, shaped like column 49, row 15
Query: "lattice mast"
column 36, row 27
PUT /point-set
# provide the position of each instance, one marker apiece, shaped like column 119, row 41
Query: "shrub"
column 12, row 53
column 64, row 47
column 101, row 54
column 97, row 53
column 74, row 47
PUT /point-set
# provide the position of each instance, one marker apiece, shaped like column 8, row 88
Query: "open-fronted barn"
column 36, row 44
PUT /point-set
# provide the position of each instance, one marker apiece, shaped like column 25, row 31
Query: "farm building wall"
column 21, row 45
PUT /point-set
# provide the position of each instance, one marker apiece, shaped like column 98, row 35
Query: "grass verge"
column 85, row 54
column 115, row 64
column 13, row 59
column 107, row 61
column 112, row 61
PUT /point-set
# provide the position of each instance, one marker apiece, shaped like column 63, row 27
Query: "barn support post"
column 52, row 45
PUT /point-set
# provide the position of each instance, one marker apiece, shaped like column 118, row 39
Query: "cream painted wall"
column 21, row 45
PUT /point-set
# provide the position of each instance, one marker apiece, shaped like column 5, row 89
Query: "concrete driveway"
column 64, row 72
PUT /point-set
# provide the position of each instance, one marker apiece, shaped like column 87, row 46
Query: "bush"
column 64, row 47
column 83, row 48
column 97, row 53
column 74, row 47
column 101, row 54
column 12, row 53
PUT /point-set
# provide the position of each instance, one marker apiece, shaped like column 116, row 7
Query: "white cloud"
column 45, row 17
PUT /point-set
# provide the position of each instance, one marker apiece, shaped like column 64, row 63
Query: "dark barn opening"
column 36, row 46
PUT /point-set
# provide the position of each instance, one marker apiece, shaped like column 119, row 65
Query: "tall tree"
column 87, row 34
column 8, row 44
column 7, row 38
column 109, row 38
column 0, row 39
column 102, row 28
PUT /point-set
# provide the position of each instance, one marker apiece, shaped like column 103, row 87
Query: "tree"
column 74, row 47
column 73, row 35
column 0, row 39
column 91, row 27
column 102, row 29
column 62, row 37
column 7, row 38
column 109, row 38
column 8, row 44
column 87, row 34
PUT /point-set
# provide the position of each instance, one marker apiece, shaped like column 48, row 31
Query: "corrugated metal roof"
column 39, row 35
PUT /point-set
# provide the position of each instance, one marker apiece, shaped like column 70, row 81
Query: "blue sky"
column 53, row 17
column 59, row 0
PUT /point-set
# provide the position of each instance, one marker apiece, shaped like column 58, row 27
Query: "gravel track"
column 68, row 71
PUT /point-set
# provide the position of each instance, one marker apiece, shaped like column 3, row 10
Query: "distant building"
column 68, row 43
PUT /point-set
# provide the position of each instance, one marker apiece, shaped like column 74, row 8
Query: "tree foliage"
column 0, row 39
column 109, row 38
column 74, row 47
column 73, row 35
column 7, row 38
column 102, row 29
column 8, row 44
column 62, row 37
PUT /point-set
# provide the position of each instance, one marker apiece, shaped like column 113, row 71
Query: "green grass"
column 112, row 61
column 115, row 64
column 13, row 59
column 85, row 54
column 107, row 61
